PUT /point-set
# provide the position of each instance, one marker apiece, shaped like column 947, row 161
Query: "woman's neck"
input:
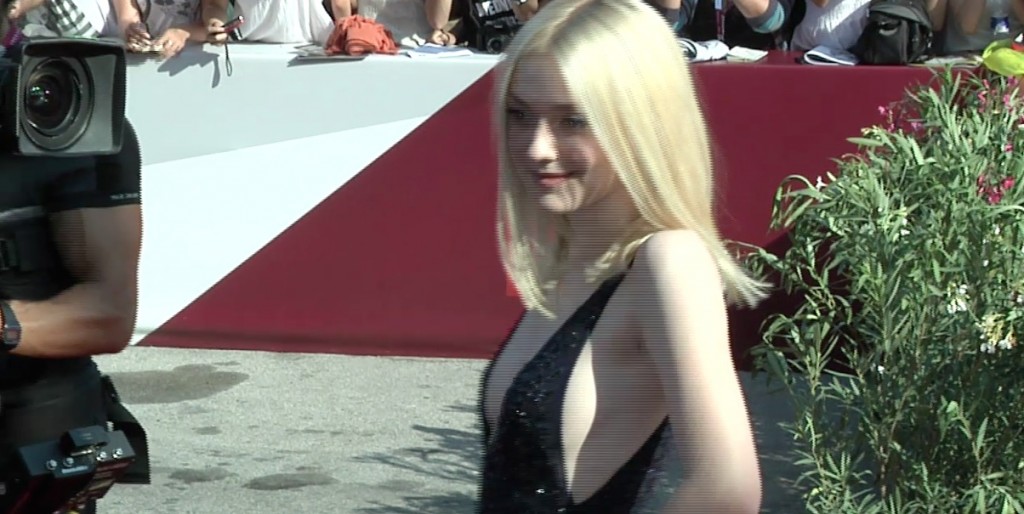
column 592, row 232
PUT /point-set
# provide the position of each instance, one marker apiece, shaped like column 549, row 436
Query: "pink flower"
column 993, row 194
column 883, row 110
column 1006, row 101
column 1008, row 147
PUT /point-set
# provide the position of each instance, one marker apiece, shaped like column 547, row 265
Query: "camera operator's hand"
column 172, row 42
column 215, row 33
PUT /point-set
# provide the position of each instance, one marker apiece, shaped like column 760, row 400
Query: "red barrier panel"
column 403, row 260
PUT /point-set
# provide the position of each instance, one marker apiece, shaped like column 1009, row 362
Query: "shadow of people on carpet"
column 451, row 455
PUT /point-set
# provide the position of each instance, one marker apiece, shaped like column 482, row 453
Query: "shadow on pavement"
column 452, row 455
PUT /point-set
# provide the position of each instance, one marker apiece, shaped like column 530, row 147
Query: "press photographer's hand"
column 17, row 9
column 442, row 37
column 215, row 32
column 172, row 42
column 136, row 36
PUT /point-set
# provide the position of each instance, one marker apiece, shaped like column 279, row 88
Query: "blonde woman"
column 621, row 367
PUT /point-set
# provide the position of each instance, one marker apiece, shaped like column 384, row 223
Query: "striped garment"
column 68, row 20
column 64, row 18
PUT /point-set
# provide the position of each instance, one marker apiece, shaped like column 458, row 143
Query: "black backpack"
column 898, row 32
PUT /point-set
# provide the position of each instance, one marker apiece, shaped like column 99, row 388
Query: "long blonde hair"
column 630, row 79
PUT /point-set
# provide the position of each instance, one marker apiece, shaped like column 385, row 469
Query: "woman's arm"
column 213, row 14
column 342, row 9
column 438, row 13
column 214, row 10
column 196, row 31
column 686, row 334
column 967, row 14
column 127, row 12
column 937, row 13
column 765, row 16
column 1017, row 10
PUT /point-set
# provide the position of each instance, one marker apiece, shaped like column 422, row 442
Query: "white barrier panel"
column 230, row 162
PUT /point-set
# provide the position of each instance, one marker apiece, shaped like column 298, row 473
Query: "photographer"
column 493, row 23
column 269, row 21
column 70, row 239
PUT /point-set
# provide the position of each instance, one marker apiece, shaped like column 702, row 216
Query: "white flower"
column 1004, row 344
column 956, row 305
column 904, row 222
column 995, row 228
column 984, row 262
column 988, row 347
column 958, row 299
column 819, row 184
column 880, row 369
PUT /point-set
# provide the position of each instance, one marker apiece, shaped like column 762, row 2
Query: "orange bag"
column 356, row 35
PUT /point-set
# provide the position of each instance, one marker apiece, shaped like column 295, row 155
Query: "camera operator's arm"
column 97, row 315
column 97, row 228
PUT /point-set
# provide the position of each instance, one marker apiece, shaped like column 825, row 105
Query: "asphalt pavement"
column 274, row 433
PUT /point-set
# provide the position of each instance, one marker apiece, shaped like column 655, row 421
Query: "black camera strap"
column 26, row 243
column 122, row 419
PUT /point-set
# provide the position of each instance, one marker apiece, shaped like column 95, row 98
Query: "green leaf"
column 979, row 441
column 864, row 142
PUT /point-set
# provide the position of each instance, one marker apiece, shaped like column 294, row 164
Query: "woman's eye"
column 515, row 114
column 576, row 122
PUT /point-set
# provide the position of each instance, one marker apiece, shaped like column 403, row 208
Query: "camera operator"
column 70, row 239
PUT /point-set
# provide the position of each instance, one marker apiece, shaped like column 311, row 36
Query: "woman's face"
column 550, row 142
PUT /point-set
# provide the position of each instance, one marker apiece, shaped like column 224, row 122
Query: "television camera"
column 62, row 97
column 62, row 105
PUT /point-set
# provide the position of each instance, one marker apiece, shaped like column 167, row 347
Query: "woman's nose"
column 542, row 143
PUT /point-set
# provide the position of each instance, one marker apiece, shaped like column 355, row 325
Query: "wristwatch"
column 10, row 334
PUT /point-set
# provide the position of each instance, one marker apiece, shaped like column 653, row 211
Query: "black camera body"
column 62, row 97
column 493, row 39
column 80, row 466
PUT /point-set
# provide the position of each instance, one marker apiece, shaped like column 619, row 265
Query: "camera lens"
column 57, row 102
column 53, row 94
column 496, row 45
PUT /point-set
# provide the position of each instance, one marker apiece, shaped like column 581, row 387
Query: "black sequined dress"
column 523, row 468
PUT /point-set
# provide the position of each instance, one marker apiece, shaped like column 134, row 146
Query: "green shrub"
column 910, row 262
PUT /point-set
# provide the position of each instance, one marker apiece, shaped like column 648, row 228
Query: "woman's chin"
column 556, row 205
